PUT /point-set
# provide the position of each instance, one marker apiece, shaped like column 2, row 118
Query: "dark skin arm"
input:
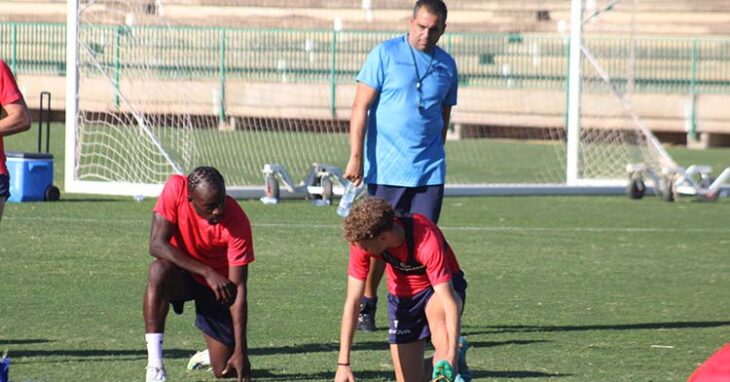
column 160, row 235
column 239, row 313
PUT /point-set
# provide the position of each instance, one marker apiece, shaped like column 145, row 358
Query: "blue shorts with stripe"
column 407, row 316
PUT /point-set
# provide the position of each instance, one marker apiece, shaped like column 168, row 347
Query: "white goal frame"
column 573, row 185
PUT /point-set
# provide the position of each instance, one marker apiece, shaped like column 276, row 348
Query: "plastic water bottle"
column 138, row 198
column 4, row 367
column 343, row 209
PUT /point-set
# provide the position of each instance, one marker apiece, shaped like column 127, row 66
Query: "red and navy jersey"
column 430, row 249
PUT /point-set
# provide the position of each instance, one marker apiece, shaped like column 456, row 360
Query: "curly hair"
column 368, row 218
column 208, row 175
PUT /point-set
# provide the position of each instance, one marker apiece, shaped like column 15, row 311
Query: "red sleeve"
column 431, row 252
column 359, row 263
column 9, row 92
column 240, row 239
column 169, row 200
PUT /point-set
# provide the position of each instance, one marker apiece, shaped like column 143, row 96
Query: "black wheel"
column 636, row 188
column 272, row 186
column 667, row 189
column 327, row 192
column 52, row 194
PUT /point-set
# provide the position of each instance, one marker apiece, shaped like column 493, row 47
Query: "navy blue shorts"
column 407, row 316
column 4, row 186
column 425, row 200
column 211, row 317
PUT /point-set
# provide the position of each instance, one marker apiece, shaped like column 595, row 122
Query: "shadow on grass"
column 473, row 330
column 27, row 341
column 183, row 353
column 96, row 353
column 266, row 375
column 516, row 374
column 319, row 348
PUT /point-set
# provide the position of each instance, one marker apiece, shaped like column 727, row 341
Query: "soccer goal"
column 542, row 110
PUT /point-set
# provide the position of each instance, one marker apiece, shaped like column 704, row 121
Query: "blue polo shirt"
column 403, row 144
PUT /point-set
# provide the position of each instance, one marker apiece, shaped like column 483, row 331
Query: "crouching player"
column 202, row 242
column 426, row 289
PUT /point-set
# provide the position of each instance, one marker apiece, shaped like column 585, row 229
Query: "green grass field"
column 560, row 288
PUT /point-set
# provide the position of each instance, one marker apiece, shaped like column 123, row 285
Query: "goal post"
column 147, row 98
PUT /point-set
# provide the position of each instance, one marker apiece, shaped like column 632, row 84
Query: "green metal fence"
column 665, row 65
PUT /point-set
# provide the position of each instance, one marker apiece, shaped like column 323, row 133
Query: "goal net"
column 159, row 93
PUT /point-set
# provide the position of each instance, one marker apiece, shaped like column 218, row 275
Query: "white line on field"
column 445, row 228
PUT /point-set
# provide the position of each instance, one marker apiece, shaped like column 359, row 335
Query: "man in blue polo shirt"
column 405, row 91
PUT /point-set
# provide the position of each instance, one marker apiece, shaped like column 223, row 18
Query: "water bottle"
column 343, row 209
column 4, row 367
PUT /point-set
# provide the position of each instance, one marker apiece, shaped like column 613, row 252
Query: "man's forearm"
column 357, row 132
column 239, row 314
column 176, row 256
column 347, row 331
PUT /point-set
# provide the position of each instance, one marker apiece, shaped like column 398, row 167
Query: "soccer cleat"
column 442, row 372
column 464, row 372
column 366, row 318
column 156, row 374
column 199, row 360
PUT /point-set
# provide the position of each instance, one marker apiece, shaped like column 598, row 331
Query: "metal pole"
column 14, row 53
column 693, row 90
column 117, row 64
column 222, row 78
column 574, row 90
column 72, row 86
column 333, row 76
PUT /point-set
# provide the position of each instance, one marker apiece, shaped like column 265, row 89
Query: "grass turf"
column 560, row 289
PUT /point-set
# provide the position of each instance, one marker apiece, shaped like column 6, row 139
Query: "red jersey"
column 9, row 93
column 430, row 249
column 220, row 246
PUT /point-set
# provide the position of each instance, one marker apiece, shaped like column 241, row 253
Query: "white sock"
column 154, row 349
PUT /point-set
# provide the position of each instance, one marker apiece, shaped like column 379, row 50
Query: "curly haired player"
column 426, row 289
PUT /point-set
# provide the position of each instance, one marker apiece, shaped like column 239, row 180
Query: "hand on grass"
column 241, row 365
column 344, row 374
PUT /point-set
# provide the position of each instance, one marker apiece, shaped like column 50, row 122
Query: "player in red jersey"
column 202, row 242
column 426, row 288
column 14, row 118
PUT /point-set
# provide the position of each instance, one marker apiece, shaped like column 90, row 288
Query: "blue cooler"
column 31, row 177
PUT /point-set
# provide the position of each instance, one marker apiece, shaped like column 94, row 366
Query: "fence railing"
column 658, row 64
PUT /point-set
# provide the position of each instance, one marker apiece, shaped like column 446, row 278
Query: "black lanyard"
column 419, row 79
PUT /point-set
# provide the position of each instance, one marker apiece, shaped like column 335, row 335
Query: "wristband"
column 343, row 364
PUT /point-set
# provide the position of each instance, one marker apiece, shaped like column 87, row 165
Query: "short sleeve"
column 240, row 237
column 359, row 263
column 451, row 96
column 9, row 91
column 169, row 200
column 432, row 253
column 372, row 72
